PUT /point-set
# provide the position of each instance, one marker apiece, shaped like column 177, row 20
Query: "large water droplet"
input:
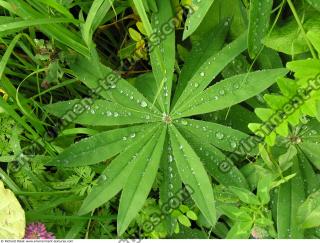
column 219, row 135
column 143, row 104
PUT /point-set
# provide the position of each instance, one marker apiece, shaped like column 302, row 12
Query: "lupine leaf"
column 231, row 91
column 99, row 113
column 116, row 174
column 137, row 188
column 99, row 147
column 259, row 16
column 193, row 174
column 209, row 70
column 197, row 12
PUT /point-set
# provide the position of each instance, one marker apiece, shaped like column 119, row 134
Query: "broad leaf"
column 12, row 218
column 309, row 211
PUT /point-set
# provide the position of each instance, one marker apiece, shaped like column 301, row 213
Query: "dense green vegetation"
column 160, row 119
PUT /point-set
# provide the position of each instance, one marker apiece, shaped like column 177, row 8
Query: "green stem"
column 296, row 16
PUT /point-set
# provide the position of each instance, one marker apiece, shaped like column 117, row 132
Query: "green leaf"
column 99, row 113
column 207, row 46
column 240, row 230
column 245, row 195
column 162, row 52
column 234, row 213
column 220, row 136
column 197, row 12
column 290, row 196
column 117, row 173
column 98, row 10
column 99, row 147
column 209, row 69
column 56, row 31
column 288, row 38
column 315, row 4
column 106, row 83
column 193, row 174
column 285, row 160
column 259, row 16
column 231, row 91
column 12, row 216
column 312, row 151
column 309, row 211
column 170, row 183
column 191, row 215
column 19, row 25
column 216, row 163
column 184, row 220
column 263, row 189
column 137, row 188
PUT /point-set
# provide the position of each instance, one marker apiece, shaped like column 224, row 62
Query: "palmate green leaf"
column 197, row 12
column 162, row 51
column 193, row 174
column 309, row 211
column 99, row 147
column 99, row 113
column 115, row 176
column 216, row 163
column 259, row 17
column 220, row 136
column 140, row 182
column 231, row 91
column 98, row 10
column 207, row 46
column 209, row 70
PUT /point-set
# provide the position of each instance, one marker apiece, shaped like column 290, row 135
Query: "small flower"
column 38, row 231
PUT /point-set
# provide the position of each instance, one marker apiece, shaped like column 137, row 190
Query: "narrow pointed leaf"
column 193, row 174
column 259, row 17
column 220, row 136
column 231, row 91
column 197, row 12
column 210, row 69
column 99, row 147
column 207, row 46
column 163, row 42
column 116, row 174
column 99, row 113
column 136, row 190
column 217, row 164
